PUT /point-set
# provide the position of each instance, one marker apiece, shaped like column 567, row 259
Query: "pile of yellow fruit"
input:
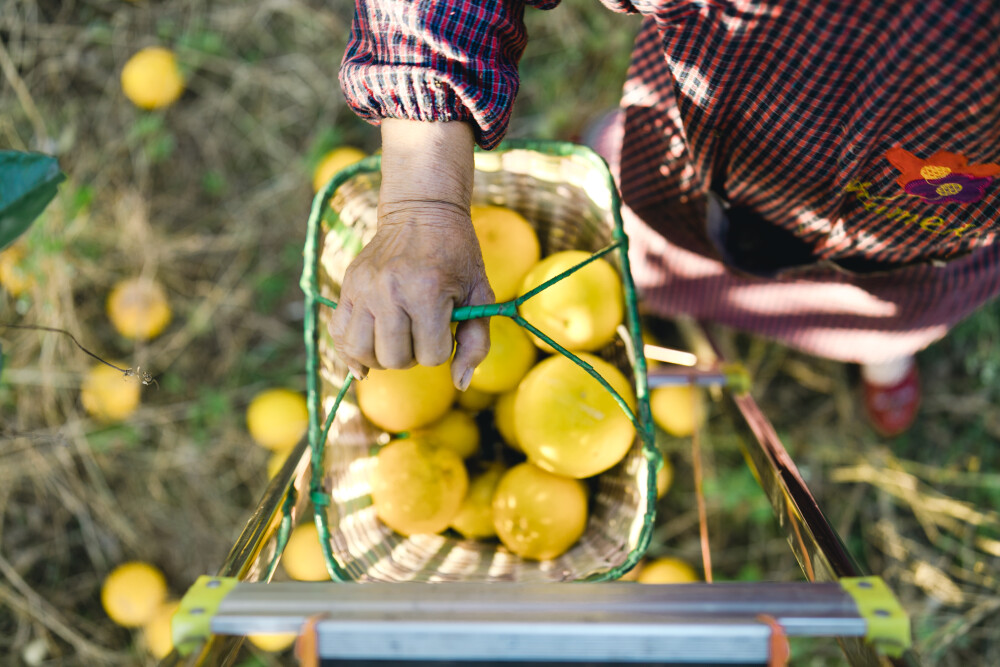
column 559, row 427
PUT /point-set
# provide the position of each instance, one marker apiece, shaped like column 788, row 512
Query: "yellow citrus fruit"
column 511, row 355
column 303, row 556
column 277, row 418
column 400, row 400
column 108, row 395
column 503, row 418
column 677, row 409
column 537, row 514
column 475, row 516
column 417, row 488
column 334, row 161
column 156, row 632
column 664, row 477
column 667, row 571
column 133, row 593
column 475, row 400
column 138, row 308
column 567, row 423
column 509, row 245
column 151, row 78
column 581, row 311
column 273, row 643
column 13, row 277
column 456, row 431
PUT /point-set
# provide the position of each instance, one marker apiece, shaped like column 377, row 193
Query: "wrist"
column 426, row 162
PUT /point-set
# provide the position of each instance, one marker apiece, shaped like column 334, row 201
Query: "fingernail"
column 463, row 384
column 358, row 375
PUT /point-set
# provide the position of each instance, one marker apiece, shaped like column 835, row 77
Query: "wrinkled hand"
column 424, row 261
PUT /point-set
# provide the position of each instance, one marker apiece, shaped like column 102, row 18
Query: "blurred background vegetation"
column 210, row 197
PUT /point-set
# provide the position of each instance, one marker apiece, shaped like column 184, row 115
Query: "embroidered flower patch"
column 943, row 177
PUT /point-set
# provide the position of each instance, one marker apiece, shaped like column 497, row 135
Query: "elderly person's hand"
column 423, row 262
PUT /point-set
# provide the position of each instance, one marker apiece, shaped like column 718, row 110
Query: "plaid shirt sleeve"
column 437, row 60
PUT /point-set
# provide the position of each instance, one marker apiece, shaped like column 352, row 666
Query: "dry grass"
column 210, row 197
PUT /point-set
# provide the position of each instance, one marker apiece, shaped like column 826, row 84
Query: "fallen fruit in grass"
column 417, row 488
column 334, row 161
column 156, row 632
column 511, row 355
column 567, row 423
column 13, row 277
column 678, row 410
column 509, row 246
column 273, row 643
column 277, row 418
column 138, row 308
column 303, row 558
column 537, row 514
column 107, row 395
column 456, row 430
column 401, row 400
column 579, row 312
column 151, row 78
column 133, row 593
column 475, row 516
column 667, row 571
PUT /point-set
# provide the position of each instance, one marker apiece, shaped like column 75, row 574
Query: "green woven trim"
column 309, row 284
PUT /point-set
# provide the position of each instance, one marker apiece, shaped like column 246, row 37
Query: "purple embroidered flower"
column 952, row 188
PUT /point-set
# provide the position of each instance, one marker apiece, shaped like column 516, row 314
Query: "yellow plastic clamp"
column 888, row 625
column 192, row 624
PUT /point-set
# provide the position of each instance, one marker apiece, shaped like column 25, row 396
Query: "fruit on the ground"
column 581, row 311
column 567, row 423
column 474, row 400
column 151, row 78
column 273, row 643
column 138, row 308
column 664, row 477
column 678, row 410
column 503, row 418
column 537, row 514
column 509, row 245
column 276, row 461
column 511, row 355
column 456, row 431
column 107, row 395
column 277, row 418
column 475, row 516
column 156, row 632
column 13, row 277
column 333, row 162
column 401, row 400
column 303, row 556
column 417, row 488
column 667, row 571
column 133, row 593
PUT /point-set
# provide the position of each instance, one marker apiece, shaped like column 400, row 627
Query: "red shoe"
column 892, row 408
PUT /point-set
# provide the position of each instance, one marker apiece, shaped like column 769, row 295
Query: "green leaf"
column 28, row 182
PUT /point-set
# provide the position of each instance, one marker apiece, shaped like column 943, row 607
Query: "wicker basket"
column 567, row 193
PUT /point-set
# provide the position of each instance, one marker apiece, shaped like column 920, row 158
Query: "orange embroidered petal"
column 937, row 166
column 908, row 164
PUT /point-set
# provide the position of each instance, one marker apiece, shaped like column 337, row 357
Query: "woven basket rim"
column 309, row 283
